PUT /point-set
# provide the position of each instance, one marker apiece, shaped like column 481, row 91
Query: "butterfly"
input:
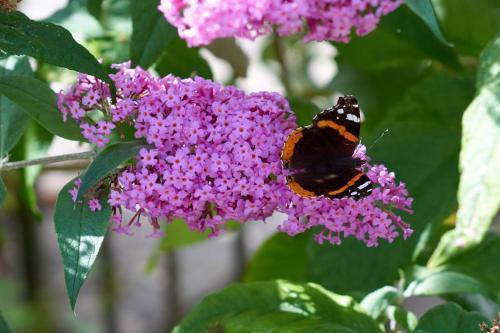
column 318, row 159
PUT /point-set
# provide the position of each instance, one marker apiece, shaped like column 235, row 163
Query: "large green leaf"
column 107, row 161
column 80, row 233
column 425, row 10
column 276, row 306
column 182, row 61
column 479, row 191
column 13, row 120
column 40, row 102
column 47, row 42
column 4, row 328
column 449, row 318
column 151, row 33
column 469, row 25
column 34, row 144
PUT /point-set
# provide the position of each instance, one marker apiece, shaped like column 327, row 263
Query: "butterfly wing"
column 345, row 116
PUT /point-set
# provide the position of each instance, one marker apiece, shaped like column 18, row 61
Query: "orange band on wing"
column 341, row 129
column 297, row 189
column 349, row 184
column 290, row 143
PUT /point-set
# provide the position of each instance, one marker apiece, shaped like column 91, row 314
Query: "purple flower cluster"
column 200, row 22
column 369, row 219
column 214, row 156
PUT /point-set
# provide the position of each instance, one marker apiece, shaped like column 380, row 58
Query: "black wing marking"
column 359, row 188
column 346, row 113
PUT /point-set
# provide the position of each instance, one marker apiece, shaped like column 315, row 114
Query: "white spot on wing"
column 362, row 186
column 340, row 111
column 354, row 193
column 352, row 117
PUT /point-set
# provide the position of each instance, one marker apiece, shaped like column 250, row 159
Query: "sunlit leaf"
column 426, row 282
column 479, row 191
column 277, row 306
column 80, row 233
column 376, row 302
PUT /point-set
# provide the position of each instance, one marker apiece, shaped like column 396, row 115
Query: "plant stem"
column 46, row 160
column 279, row 49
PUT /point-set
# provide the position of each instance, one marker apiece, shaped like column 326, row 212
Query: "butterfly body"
column 319, row 158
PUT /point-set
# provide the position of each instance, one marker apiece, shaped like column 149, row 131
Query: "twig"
column 46, row 160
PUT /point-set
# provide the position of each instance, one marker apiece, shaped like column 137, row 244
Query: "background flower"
column 200, row 22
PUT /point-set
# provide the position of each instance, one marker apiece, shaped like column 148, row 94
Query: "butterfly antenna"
column 378, row 139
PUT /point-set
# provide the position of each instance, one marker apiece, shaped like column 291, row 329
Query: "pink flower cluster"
column 369, row 219
column 213, row 155
column 200, row 22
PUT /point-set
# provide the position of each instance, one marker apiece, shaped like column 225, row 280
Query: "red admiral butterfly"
column 319, row 157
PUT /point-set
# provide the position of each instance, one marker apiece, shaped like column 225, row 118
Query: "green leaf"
column 290, row 252
column 276, row 306
column 405, row 320
column 13, row 120
column 151, row 33
column 480, row 262
column 304, row 110
column 106, row 162
column 182, row 61
column 80, row 233
column 46, row 42
column 40, row 102
column 440, row 282
column 376, row 302
column 34, row 144
column 425, row 10
column 406, row 39
column 479, row 191
column 178, row 234
column 409, row 28
column 4, row 328
column 3, row 191
column 449, row 318
column 95, row 8
column 469, row 25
